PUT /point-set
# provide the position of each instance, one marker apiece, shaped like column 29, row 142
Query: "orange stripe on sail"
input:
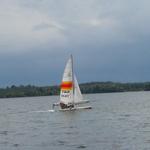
column 66, row 85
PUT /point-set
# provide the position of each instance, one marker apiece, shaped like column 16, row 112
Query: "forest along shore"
column 91, row 87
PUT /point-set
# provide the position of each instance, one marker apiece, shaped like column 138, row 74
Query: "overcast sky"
column 109, row 39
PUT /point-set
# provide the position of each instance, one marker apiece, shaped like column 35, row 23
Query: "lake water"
column 118, row 121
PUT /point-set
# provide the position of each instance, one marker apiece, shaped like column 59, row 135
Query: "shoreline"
column 86, row 88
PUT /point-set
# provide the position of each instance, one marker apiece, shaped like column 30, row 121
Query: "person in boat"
column 65, row 106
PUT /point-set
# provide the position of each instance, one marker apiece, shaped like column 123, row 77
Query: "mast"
column 72, row 76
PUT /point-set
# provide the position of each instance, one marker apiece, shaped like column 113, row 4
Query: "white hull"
column 76, row 103
column 76, row 108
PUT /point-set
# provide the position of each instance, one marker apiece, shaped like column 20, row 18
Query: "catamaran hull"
column 76, row 108
column 76, row 103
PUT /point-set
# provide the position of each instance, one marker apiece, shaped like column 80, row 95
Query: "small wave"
column 125, row 115
column 4, row 132
column 15, row 145
column 4, row 143
column 81, row 146
column 146, row 125
column 147, row 141
column 20, row 112
column 51, row 110
column 20, row 134
column 42, row 111
column 60, row 142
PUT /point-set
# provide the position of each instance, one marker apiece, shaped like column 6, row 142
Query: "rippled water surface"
column 118, row 121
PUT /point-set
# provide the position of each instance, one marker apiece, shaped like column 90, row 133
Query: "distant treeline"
column 92, row 87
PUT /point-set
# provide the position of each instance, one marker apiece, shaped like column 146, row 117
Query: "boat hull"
column 76, row 103
column 76, row 108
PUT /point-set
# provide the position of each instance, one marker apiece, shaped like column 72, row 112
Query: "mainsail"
column 66, row 93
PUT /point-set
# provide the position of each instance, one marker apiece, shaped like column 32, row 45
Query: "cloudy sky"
column 109, row 39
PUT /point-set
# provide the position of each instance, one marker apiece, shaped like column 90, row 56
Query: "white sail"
column 66, row 93
column 77, row 93
column 78, row 98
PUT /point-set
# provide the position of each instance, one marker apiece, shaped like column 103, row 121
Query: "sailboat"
column 70, row 94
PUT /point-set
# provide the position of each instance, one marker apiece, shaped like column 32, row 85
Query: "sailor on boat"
column 63, row 106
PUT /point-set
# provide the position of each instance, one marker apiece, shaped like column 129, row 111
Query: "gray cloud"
column 109, row 40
